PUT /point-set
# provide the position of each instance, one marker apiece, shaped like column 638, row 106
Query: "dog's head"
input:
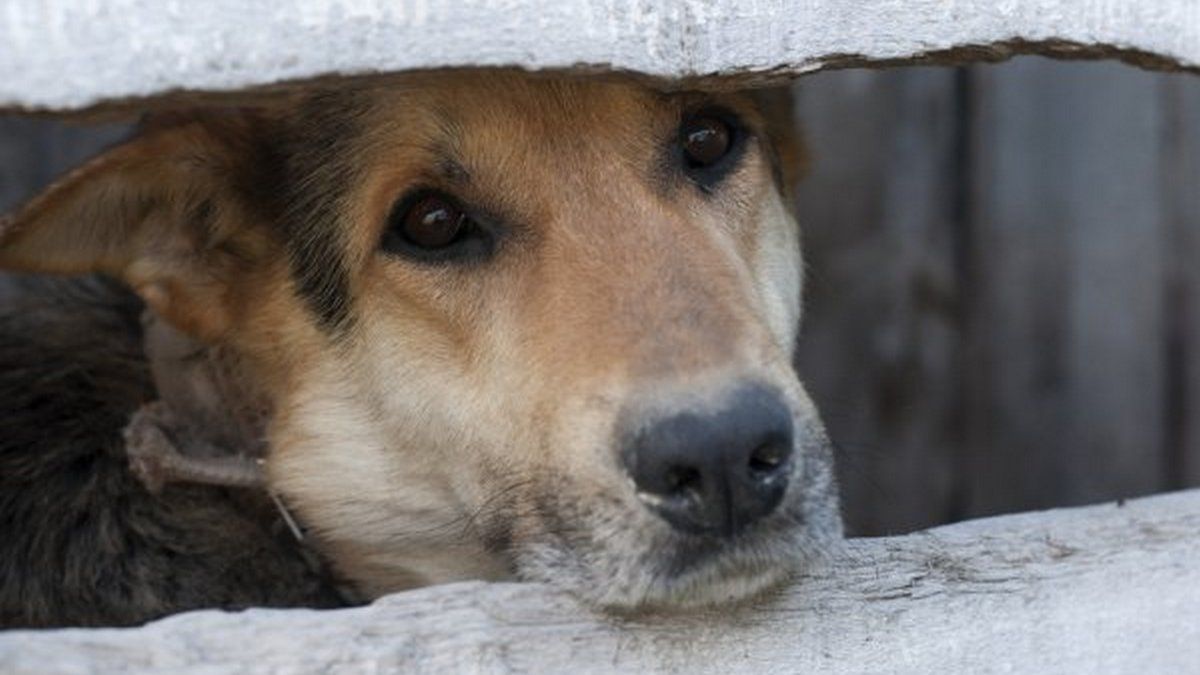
column 509, row 325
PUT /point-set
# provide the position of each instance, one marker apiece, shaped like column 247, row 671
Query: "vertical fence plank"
column 879, row 348
column 34, row 151
column 1181, row 158
column 1066, row 279
column 21, row 160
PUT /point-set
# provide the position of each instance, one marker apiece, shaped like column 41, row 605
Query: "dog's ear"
column 788, row 150
column 178, row 213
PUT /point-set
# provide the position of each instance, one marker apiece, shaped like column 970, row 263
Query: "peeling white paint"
column 1104, row 589
column 68, row 54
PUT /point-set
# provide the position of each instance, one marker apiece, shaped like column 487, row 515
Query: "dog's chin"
column 708, row 585
column 613, row 553
column 674, row 573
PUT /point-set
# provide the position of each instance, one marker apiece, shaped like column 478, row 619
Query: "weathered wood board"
column 881, row 344
column 58, row 53
column 1104, row 589
column 1068, row 260
column 1181, row 207
column 34, row 152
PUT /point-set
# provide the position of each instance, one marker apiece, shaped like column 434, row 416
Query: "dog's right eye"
column 705, row 141
column 433, row 226
column 432, row 222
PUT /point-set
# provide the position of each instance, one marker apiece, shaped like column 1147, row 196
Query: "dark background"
column 1003, row 301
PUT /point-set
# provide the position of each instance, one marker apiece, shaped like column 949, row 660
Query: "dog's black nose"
column 715, row 472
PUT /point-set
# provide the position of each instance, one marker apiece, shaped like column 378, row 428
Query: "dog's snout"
column 715, row 472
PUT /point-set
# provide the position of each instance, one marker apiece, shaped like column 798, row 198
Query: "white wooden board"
column 70, row 54
column 1113, row 588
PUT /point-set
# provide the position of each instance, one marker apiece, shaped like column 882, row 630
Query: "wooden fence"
column 1001, row 257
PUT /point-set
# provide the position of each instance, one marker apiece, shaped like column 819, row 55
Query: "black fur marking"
column 452, row 170
column 320, row 169
column 200, row 220
column 82, row 543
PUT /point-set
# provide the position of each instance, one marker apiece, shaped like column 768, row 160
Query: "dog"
column 501, row 325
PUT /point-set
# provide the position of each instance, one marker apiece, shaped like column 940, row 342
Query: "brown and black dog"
column 505, row 326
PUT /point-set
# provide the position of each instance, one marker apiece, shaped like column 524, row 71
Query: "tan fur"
column 464, row 426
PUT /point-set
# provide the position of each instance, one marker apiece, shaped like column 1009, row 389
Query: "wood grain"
column 1104, row 589
column 1066, row 402
column 1180, row 147
column 880, row 346
column 64, row 55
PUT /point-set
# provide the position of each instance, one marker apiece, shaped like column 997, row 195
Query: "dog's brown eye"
column 432, row 226
column 433, row 222
column 705, row 140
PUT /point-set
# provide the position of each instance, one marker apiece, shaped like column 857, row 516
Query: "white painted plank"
column 69, row 54
column 1104, row 589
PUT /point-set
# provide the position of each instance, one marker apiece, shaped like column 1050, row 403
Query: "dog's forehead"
column 525, row 104
column 483, row 117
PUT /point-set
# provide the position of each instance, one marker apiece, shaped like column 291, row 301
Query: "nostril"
column 766, row 459
column 682, row 479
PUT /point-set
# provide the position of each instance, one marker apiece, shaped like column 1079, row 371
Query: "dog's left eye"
column 433, row 226
column 709, row 143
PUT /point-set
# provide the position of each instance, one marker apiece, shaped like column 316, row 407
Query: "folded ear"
column 177, row 213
